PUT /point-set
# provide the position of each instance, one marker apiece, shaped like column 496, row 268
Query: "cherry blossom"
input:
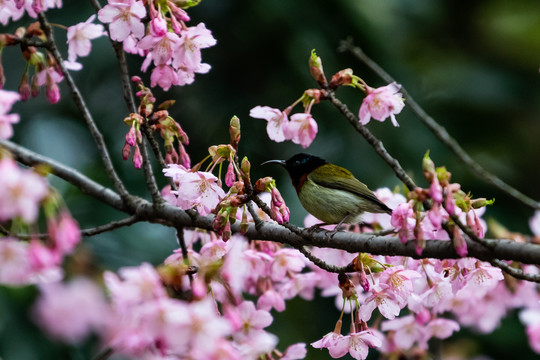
column 357, row 344
column 124, row 18
column 71, row 311
column 79, row 36
column 381, row 103
column 277, row 121
column 7, row 99
column 21, row 191
column 302, row 129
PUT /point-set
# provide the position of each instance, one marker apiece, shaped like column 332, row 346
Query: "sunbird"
column 329, row 192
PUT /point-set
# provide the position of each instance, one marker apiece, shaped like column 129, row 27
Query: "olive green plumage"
column 329, row 192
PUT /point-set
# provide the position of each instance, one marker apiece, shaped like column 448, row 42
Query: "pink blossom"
column 14, row 262
column 15, row 9
column 271, row 299
column 71, row 311
column 382, row 298
column 65, row 233
column 295, row 351
column 399, row 281
column 10, row 11
column 205, row 326
column 50, row 77
column 198, row 189
column 277, row 121
column 7, row 99
column 124, row 18
column 251, row 320
column 21, row 191
column 533, row 334
column 302, row 129
column 302, row 284
column 358, row 344
column 286, row 261
column 482, row 279
column 402, row 218
column 441, row 328
column 188, row 52
column 381, row 103
column 135, row 285
column 42, row 257
column 79, row 36
column 332, row 342
column 407, row 331
column 160, row 43
column 534, row 223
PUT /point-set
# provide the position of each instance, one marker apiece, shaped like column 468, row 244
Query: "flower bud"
column 343, row 77
column 245, row 166
column 230, row 176
column 316, row 69
column 137, row 157
column 24, row 88
column 234, row 131
column 428, row 167
column 481, row 202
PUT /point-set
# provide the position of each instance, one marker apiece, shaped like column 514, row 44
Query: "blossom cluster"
column 166, row 41
column 380, row 104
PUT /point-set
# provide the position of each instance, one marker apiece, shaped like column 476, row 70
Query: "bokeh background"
column 472, row 65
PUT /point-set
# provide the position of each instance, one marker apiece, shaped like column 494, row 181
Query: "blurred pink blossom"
column 70, row 312
column 21, row 191
column 7, row 99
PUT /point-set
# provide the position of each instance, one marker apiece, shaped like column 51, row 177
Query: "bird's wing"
column 342, row 179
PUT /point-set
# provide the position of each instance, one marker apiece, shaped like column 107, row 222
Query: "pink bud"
column 285, row 213
column 436, row 190
column 459, row 242
column 131, row 137
column 52, row 92
column 230, row 176
column 364, row 281
column 137, row 157
column 158, row 26
column 24, row 89
column 126, row 151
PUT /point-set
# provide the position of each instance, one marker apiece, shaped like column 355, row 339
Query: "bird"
column 329, row 192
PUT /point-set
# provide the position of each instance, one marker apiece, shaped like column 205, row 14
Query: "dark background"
column 473, row 66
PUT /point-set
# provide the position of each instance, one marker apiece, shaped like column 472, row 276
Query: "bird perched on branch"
column 329, row 192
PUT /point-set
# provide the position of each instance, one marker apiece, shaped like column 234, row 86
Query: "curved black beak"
column 280, row 162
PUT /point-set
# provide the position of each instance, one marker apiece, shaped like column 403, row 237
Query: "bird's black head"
column 299, row 166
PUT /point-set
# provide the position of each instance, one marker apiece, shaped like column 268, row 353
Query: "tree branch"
column 83, row 108
column 352, row 242
column 441, row 133
column 82, row 182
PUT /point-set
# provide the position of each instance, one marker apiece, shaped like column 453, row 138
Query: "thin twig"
column 517, row 273
column 104, row 354
column 83, row 108
column 372, row 140
column 323, row 265
column 113, row 225
column 441, row 133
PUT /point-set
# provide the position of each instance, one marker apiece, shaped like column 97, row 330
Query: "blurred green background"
column 473, row 66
